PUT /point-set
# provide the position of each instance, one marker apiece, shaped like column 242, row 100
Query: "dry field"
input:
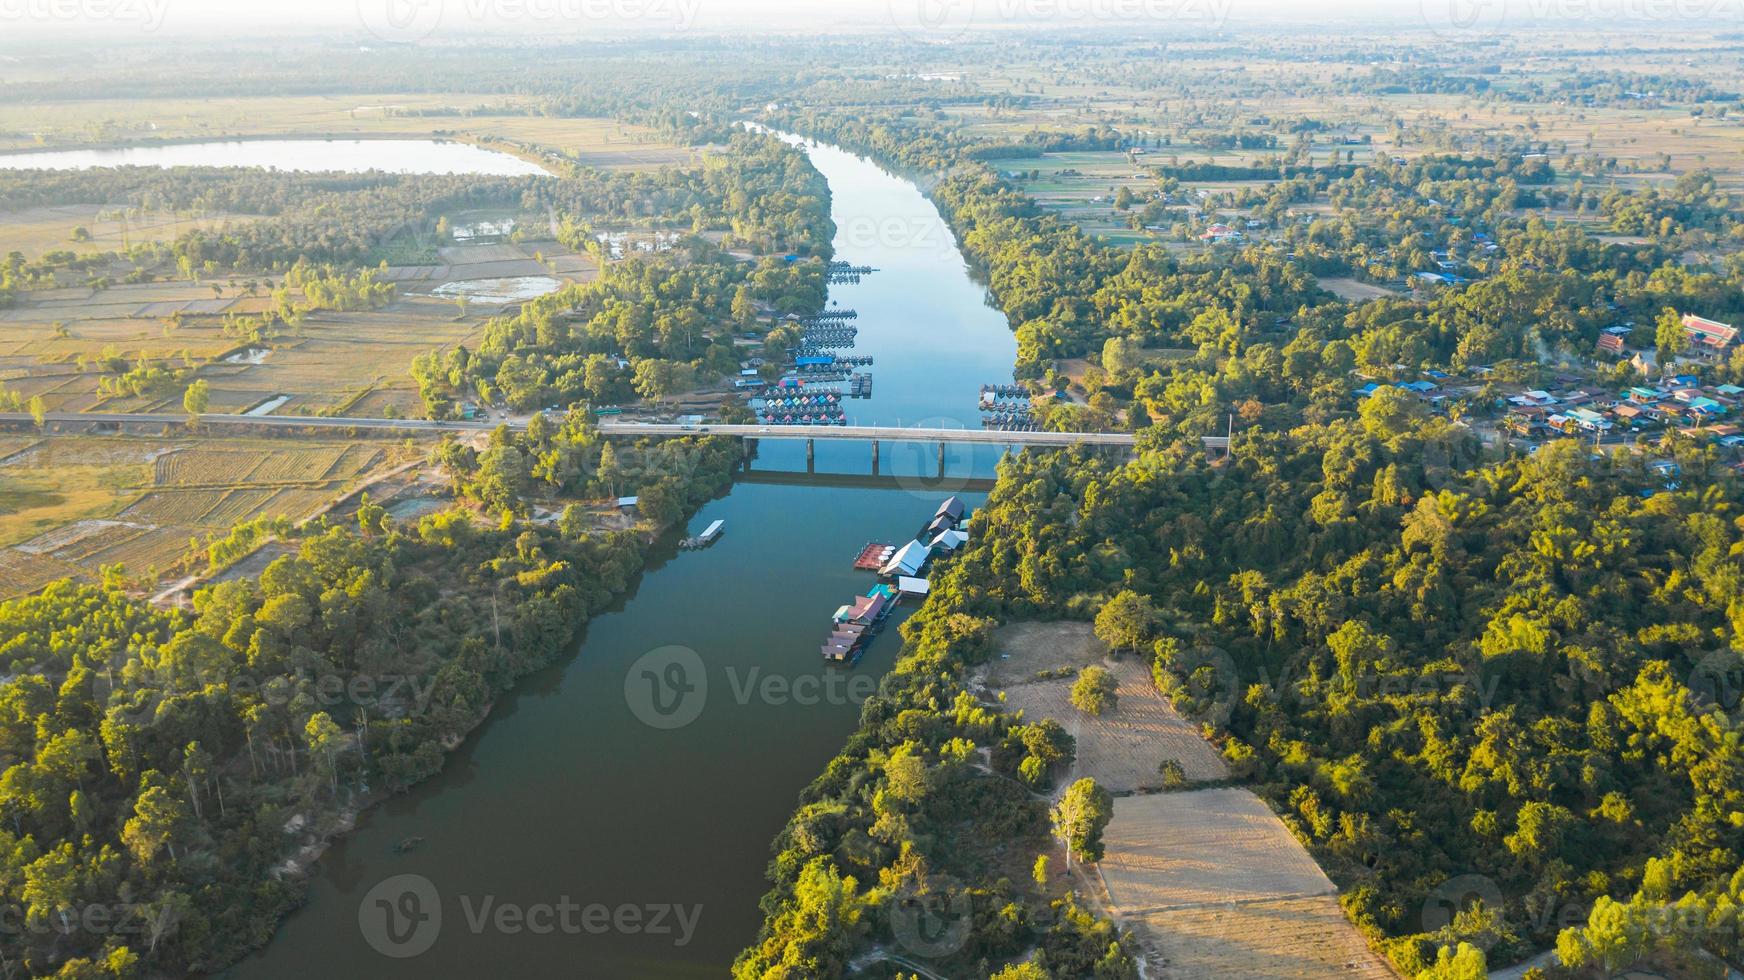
column 76, row 504
column 1216, row 887
column 35, row 231
column 1351, row 289
column 1210, row 879
column 1121, row 749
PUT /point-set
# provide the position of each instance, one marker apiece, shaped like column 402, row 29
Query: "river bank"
column 565, row 762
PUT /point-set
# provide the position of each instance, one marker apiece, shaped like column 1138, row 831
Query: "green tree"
column 1465, row 963
column 38, row 411
column 1080, row 817
column 1094, row 691
column 196, row 399
column 1669, row 336
column 324, row 737
column 1126, row 621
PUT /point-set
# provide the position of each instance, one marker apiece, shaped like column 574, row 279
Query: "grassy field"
column 594, row 142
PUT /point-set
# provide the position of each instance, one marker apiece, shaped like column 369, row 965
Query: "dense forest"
column 177, row 770
column 1438, row 665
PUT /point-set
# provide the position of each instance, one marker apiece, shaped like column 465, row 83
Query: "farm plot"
column 1356, row 290
column 1217, row 845
column 158, row 548
column 1121, row 749
column 34, row 231
column 22, row 574
column 1275, row 939
column 344, row 357
column 1217, row 886
column 253, row 464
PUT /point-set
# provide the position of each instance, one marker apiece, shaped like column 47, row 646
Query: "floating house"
column 908, row 560
column 949, row 540
column 913, row 586
column 951, row 508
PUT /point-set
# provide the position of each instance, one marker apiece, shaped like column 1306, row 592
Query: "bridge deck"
column 860, row 433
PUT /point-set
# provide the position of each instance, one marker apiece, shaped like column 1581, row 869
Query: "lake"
column 567, row 794
column 400, row 156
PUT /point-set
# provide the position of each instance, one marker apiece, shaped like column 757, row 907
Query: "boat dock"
column 709, row 535
column 873, row 556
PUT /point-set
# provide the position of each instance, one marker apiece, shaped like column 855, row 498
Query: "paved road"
column 862, row 433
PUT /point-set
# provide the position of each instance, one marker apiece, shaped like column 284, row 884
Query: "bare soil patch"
column 1353, row 289
column 1282, row 939
column 1122, row 748
column 1215, row 886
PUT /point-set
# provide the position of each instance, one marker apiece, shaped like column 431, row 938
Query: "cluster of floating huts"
column 899, row 569
column 846, row 272
column 1009, row 420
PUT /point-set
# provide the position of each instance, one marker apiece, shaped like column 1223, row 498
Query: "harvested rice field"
column 77, row 504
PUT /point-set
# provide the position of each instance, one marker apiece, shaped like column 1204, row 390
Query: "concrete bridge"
column 875, row 434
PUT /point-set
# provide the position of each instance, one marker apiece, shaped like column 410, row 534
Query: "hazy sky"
column 414, row 20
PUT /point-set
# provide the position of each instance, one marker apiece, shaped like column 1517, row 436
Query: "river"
column 567, row 793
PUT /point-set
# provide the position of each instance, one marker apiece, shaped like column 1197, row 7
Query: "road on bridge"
column 861, row 433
